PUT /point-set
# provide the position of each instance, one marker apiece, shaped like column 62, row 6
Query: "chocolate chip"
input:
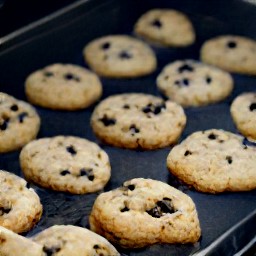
column 51, row 250
column 231, row 44
column 4, row 210
column 125, row 209
column 71, row 150
column 134, row 129
column 131, row 187
column 27, row 185
column 161, row 208
column 126, row 106
column 177, row 82
column 150, row 108
column 208, row 80
column 146, row 109
column 91, row 177
column 253, row 106
column 105, row 46
column 83, row 172
column 96, row 246
column 14, row 107
column 4, row 125
column 229, row 159
column 70, row 76
column 187, row 152
column 65, row 172
column 158, row 108
column 125, row 55
column 107, row 121
column 212, row 136
column 185, row 82
column 156, row 23
column 22, row 116
column 185, row 67
column 48, row 74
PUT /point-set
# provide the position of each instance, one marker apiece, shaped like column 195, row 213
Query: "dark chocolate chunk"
column 158, row 108
column 4, row 125
column 208, row 80
column 83, row 172
column 185, row 67
column 70, row 76
column 131, row 187
column 126, row 106
column 48, row 74
column 14, row 107
column 154, row 109
column 177, row 82
column 229, row 159
column 162, row 207
column 50, row 251
column 65, row 172
column 4, row 210
column 96, row 246
column 185, row 82
column 212, row 136
column 91, row 177
column 125, row 55
column 107, row 121
column 125, row 209
column 231, row 44
column 146, row 109
column 187, row 152
column 253, row 106
column 71, row 150
column 134, row 129
column 156, row 23
column 105, row 46
column 22, row 116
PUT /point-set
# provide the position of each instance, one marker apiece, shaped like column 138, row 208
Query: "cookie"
column 13, row 244
column 191, row 83
column 214, row 161
column 137, row 120
column 233, row 53
column 66, row 163
column 143, row 212
column 120, row 56
column 166, row 27
column 19, row 123
column 71, row 240
column 63, row 87
column 243, row 111
column 20, row 207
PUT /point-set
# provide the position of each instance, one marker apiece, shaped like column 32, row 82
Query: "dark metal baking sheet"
column 60, row 38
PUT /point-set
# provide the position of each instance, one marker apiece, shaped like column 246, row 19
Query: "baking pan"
column 227, row 220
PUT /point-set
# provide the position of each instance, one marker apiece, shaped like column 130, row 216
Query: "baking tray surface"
column 61, row 38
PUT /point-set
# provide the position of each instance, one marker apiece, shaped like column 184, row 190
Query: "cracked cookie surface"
column 72, row 240
column 243, row 111
column 232, row 53
column 214, row 161
column 63, row 87
column 191, row 83
column 166, row 27
column 66, row 163
column 143, row 212
column 20, row 207
column 19, row 123
column 120, row 56
column 136, row 120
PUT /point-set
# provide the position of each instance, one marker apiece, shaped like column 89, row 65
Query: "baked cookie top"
column 71, row 240
column 191, row 83
column 20, row 207
column 19, row 123
column 214, row 161
column 66, row 163
column 120, row 56
column 63, row 86
column 243, row 111
column 137, row 120
column 144, row 212
column 14, row 244
column 166, row 27
column 232, row 53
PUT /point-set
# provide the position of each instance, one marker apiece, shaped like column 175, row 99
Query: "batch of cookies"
column 211, row 161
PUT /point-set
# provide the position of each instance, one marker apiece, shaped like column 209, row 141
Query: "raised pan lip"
column 41, row 21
